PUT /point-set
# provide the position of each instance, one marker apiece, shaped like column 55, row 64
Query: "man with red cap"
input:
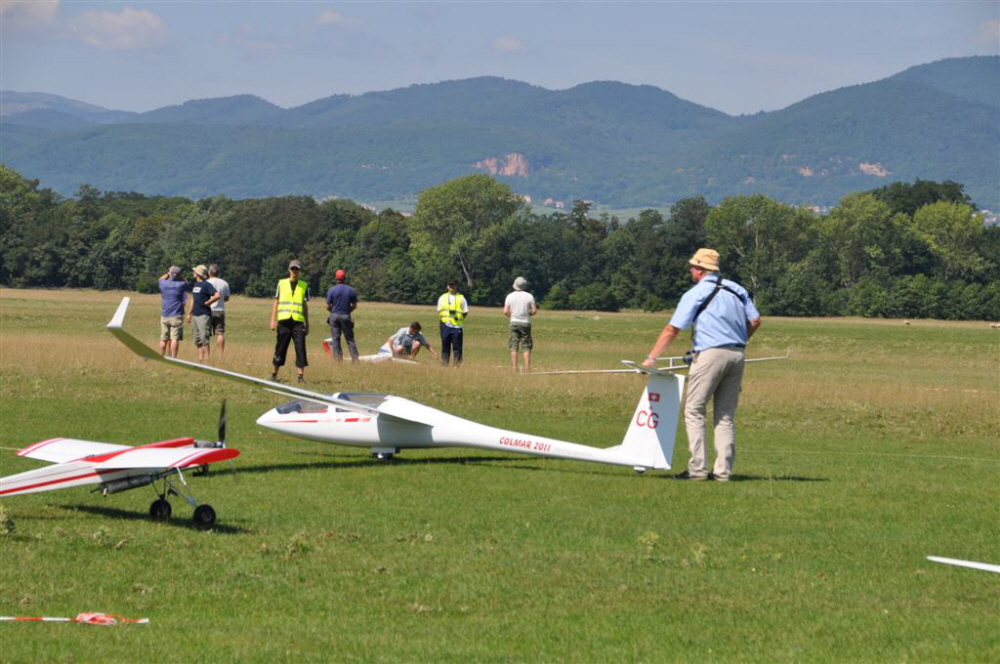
column 341, row 301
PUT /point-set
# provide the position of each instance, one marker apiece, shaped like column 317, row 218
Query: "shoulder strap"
column 708, row 300
column 715, row 291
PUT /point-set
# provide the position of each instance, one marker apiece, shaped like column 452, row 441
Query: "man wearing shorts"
column 203, row 294
column 520, row 307
column 219, row 307
column 173, row 291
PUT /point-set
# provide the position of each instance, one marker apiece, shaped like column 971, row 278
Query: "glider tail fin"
column 653, row 428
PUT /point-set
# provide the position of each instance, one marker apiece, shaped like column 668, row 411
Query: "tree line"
column 906, row 250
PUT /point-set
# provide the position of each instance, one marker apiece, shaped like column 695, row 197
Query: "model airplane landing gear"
column 204, row 515
column 160, row 510
column 384, row 453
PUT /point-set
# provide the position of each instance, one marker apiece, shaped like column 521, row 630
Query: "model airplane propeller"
column 116, row 468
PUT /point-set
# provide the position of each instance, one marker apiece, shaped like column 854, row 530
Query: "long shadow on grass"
column 760, row 478
column 115, row 513
column 365, row 463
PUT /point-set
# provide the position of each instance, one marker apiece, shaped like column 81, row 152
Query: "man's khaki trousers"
column 716, row 374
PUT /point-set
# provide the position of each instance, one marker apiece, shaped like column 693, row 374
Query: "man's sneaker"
column 301, row 379
column 688, row 476
column 274, row 378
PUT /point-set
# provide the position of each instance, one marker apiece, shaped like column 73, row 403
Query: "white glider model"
column 117, row 468
column 383, row 355
column 386, row 424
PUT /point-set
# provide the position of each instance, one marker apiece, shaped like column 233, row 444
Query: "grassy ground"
column 876, row 446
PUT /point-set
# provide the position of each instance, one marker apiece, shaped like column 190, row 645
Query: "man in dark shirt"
column 341, row 300
column 203, row 294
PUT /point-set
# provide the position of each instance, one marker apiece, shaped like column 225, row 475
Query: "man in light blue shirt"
column 724, row 318
column 406, row 342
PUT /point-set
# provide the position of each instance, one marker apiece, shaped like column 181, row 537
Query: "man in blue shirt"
column 341, row 300
column 725, row 318
column 173, row 291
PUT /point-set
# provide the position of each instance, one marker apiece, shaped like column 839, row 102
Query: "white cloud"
column 989, row 33
column 330, row 17
column 29, row 12
column 508, row 45
column 119, row 31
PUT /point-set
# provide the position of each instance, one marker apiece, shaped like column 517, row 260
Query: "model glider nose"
column 270, row 419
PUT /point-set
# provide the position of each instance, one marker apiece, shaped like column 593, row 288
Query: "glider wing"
column 145, row 352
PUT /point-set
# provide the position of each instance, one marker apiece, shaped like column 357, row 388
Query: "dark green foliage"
column 862, row 259
column 908, row 198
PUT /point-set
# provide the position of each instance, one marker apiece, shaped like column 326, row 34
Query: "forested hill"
column 614, row 144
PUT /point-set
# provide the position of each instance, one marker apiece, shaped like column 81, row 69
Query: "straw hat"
column 706, row 259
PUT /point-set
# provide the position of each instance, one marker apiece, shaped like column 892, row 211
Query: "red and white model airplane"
column 117, row 468
column 387, row 424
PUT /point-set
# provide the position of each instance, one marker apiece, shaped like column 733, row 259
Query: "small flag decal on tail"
column 654, row 397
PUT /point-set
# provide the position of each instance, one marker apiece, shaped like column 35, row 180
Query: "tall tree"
column 863, row 237
column 954, row 233
column 454, row 222
column 757, row 237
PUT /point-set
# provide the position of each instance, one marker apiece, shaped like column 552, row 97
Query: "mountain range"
column 615, row 144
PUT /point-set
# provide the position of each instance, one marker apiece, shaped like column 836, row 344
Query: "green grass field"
column 876, row 445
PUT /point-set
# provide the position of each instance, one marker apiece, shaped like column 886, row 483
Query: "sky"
column 736, row 57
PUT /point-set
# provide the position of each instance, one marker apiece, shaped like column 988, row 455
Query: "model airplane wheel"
column 204, row 515
column 383, row 456
column 201, row 470
column 160, row 510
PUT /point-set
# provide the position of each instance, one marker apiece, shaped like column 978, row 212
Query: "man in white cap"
column 520, row 307
column 203, row 295
column 219, row 307
column 726, row 319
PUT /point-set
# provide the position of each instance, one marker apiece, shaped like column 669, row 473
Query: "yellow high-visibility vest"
column 451, row 309
column 291, row 303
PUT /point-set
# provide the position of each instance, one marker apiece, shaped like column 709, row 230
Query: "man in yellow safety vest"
column 452, row 310
column 290, row 317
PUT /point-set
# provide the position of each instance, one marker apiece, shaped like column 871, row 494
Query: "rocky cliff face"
column 513, row 164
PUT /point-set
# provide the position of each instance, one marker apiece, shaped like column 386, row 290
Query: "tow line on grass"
column 90, row 618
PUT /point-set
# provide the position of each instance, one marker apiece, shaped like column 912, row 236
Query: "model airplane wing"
column 60, row 450
column 972, row 564
column 633, row 368
column 143, row 457
column 107, row 465
column 144, row 351
column 674, row 364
